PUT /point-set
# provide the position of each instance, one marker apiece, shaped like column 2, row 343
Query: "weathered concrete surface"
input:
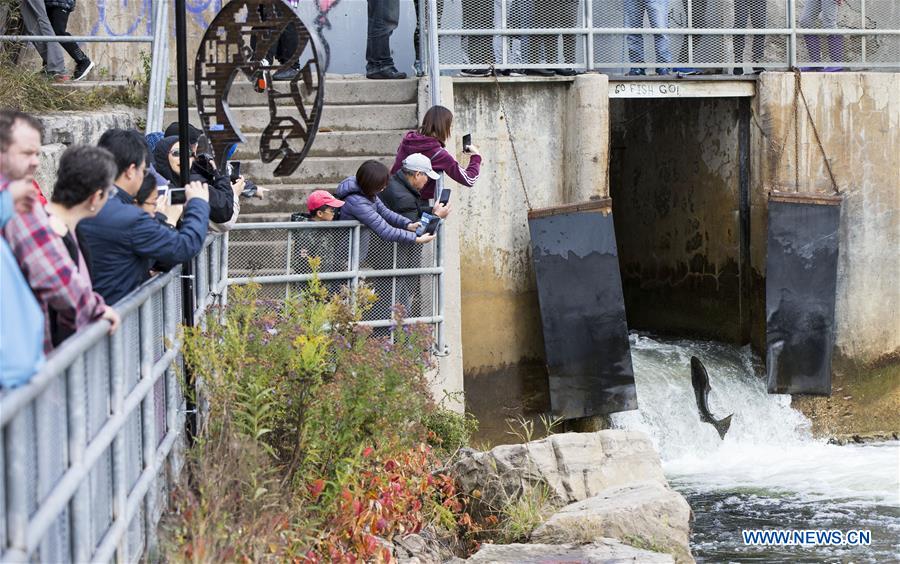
column 646, row 514
column 558, row 127
column 675, row 183
column 606, row 551
column 857, row 116
column 574, row 466
column 69, row 128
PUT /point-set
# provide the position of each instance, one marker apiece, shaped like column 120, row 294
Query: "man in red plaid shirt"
column 41, row 254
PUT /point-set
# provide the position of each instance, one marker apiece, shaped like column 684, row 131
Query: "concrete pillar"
column 587, row 139
column 447, row 377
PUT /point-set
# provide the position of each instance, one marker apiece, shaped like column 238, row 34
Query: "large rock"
column 647, row 515
column 606, row 551
column 573, row 466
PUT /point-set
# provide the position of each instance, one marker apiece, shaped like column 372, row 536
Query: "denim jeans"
column 658, row 14
column 383, row 18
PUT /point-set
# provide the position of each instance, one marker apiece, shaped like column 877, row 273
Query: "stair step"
column 338, row 91
column 370, row 117
column 324, row 171
column 287, row 198
column 336, row 144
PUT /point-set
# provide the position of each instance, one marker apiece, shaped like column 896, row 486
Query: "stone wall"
column 62, row 129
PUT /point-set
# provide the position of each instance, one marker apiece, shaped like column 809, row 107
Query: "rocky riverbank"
column 606, row 500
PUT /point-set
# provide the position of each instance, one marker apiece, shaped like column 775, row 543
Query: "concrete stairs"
column 362, row 119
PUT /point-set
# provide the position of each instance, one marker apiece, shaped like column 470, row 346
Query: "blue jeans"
column 658, row 14
column 383, row 18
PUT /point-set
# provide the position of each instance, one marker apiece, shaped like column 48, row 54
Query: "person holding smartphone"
column 430, row 140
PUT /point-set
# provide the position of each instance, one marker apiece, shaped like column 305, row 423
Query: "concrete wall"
column 858, row 118
column 560, row 130
column 675, row 190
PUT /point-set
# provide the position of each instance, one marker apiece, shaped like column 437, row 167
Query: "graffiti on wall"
column 120, row 17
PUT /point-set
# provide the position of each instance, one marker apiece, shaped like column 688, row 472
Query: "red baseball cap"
column 321, row 198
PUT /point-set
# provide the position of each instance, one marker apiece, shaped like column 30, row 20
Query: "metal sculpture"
column 235, row 44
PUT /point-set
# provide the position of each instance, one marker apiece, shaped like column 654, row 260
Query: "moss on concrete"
column 865, row 400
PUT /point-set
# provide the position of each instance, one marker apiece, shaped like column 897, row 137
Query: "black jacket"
column 221, row 197
column 400, row 197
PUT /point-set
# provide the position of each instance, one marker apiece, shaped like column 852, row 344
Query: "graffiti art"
column 243, row 41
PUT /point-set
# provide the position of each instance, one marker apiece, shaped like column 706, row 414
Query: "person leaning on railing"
column 48, row 251
column 361, row 203
column 124, row 241
column 429, row 140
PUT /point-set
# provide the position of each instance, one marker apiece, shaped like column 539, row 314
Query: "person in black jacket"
column 166, row 156
column 403, row 196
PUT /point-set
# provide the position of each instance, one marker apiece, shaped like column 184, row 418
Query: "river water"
column 769, row 472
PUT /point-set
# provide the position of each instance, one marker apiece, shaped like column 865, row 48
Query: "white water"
column 769, row 471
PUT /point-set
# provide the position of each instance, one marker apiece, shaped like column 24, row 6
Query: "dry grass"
column 33, row 92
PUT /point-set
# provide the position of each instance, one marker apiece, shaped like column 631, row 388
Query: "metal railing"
column 159, row 44
column 89, row 445
column 276, row 256
column 614, row 35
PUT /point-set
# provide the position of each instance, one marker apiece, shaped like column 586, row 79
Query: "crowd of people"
column 110, row 224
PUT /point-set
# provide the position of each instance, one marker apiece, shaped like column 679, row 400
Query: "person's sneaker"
column 82, row 68
column 636, row 72
column 808, row 69
column 286, row 73
column 418, row 69
column 512, row 72
column 566, row 72
column 686, row 71
column 662, row 72
column 833, row 69
column 539, row 72
column 476, row 72
column 758, row 70
column 386, row 74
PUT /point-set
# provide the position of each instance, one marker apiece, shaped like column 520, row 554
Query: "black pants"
column 59, row 21
column 423, row 13
column 755, row 10
column 384, row 15
column 479, row 14
column 287, row 43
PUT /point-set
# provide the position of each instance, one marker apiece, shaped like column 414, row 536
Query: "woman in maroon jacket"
column 429, row 140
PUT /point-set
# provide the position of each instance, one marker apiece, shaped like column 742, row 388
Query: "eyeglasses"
column 177, row 153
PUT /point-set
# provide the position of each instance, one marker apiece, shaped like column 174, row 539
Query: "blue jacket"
column 373, row 213
column 21, row 320
column 124, row 241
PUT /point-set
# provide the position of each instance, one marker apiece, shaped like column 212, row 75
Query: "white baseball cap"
column 420, row 163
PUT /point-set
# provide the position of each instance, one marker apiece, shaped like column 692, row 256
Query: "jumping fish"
column 700, row 381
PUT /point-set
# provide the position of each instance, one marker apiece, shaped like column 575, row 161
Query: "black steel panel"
column 583, row 312
column 801, row 282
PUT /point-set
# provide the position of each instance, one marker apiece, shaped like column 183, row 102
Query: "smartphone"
column 177, row 196
column 162, row 191
column 445, row 196
column 467, row 141
column 428, row 223
column 235, row 170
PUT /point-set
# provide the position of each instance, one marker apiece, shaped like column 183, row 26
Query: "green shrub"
column 308, row 416
column 448, row 430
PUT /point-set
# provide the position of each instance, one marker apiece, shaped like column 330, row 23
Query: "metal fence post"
column 690, row 38
column 76, row 389
column 792, row 40
column 863, row 26
column 504, row 45
column 148, row 415
column 434, row 64
column 287, row 266
column 156, row 98
column 117, row 400
column 589, row 39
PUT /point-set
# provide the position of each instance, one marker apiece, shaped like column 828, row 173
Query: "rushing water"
column 768, row 473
